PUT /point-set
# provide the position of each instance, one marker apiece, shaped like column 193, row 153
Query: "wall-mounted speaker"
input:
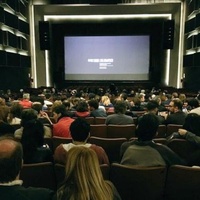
column 44, row 35
column 168, row 34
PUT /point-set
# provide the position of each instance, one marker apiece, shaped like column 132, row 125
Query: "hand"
column 44, row 114
column 182, row 131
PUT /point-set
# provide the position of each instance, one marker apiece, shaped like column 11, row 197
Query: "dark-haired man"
column 144, row 152
column 95, row 111
column 119, row 117
column 10, row 165
column 176, row 115
column 80, row 133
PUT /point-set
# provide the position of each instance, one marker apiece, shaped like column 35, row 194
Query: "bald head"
column 7, row 146
column 10, row 159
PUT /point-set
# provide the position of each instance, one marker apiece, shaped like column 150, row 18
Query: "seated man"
column 144, row 152
column 95, row 111
column 119, row 118
column 80, row 132
column 10, row 166
column 176, row 115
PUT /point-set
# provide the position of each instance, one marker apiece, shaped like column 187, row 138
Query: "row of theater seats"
column 132, row 182
column 128, row 131
column 112, row 145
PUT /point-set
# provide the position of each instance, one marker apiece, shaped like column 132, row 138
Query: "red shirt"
column 61, row 128
column 25, row 103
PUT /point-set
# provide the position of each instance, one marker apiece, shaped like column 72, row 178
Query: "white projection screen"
column 107, row 57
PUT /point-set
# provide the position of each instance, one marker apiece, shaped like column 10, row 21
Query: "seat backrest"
column 134, row 182
column 98, row 130
column 39, row 175
column 161, row 132
column 99, row 120
column 59, row 140
column 110, row 145
column 121, row 131
column 182, row 183
column 171, row 128
column 89, row 120
column 182, row 147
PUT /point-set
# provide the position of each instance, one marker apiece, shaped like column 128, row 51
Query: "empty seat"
column 121, row 131
column 182, row 183
column 182, row 147
column 161, row 133
column 141, row 183
column 98, row 130
column 89, row 120
column 39, row 175
column 110, row 145
column 99, row 120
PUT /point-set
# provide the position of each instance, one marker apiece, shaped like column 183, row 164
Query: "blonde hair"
column 84, row 179
column 105, row 100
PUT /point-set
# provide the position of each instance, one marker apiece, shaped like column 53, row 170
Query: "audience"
column 152, row 107
column 194, row 105
column 26, row 116
column 144, row 152
column 34, row 149
column 62, row 119
column 82, row 109
column 11, row 161
column 84, row 179
column 80, row 133
column 25, row 102
column 95, row 111
column 14, row 116
column 176, row 115
column 119, row 117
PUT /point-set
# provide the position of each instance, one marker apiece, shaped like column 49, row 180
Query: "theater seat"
column 39, row 175
column 141, row 183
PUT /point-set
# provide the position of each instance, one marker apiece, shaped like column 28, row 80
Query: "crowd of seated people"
column 64, row 117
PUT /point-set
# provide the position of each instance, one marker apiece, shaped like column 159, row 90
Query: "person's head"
column 105, row 100
column 93, row 104
column 11, row 155
column 120, row 107
column 26, row 96
column 37, row 106
column 152, row 106
column 59, row 111
column 175, row 105
column 141, row 97
column 67, row 104
column 82, row 106
column 193, row 103
column 174, row 95
column 84, row 178
column 147, row 127
column 33, row 133
column 80, row 130
column 16, row 110
column 27, row 115
column 192, row 123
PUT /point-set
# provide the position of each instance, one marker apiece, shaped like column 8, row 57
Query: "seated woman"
column 84, row 179
column 34, row 149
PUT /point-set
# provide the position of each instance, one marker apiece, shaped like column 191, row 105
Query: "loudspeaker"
column 44, row 35
column 168, row 34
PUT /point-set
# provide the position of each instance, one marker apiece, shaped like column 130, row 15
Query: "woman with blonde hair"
column 84, row 179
